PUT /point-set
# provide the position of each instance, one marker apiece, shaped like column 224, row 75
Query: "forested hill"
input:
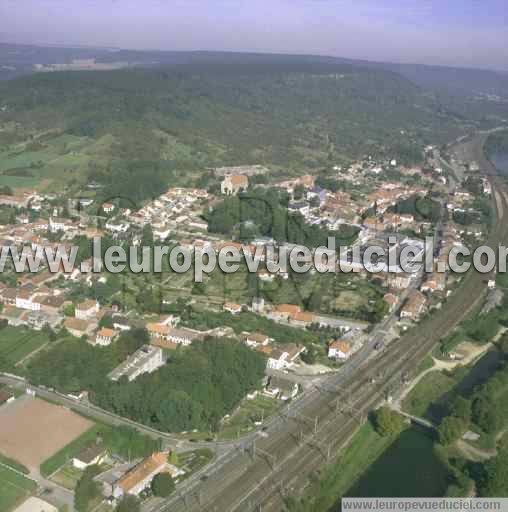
column 287, row 111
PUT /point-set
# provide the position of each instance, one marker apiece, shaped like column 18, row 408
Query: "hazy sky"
column 456, row 32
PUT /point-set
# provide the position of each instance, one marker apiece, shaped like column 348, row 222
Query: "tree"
column 451, row 429
column 494, row 482
column 86, row 489
column 461, row 408
column 485, row 414
column 309, row 356
column 69, row 310
column 4, row 363
column 387, row 422
column 163, row 485
column 128, row 504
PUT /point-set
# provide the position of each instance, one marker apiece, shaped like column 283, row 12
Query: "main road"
column 297, row 443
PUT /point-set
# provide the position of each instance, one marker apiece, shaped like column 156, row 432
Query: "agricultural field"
column 32, row 430
column 14, row 489
column 16, row 343
column 48, row 159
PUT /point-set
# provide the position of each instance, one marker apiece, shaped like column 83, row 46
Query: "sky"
column 469, row 33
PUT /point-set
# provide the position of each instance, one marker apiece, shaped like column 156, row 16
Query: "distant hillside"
column 232, row 109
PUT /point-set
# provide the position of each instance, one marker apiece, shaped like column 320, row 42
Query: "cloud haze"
column 451, row 32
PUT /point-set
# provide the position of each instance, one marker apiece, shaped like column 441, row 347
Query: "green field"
column 428, row 390
column 14, row 464
column 18, row 342
column 55, row 159
column 14, row 489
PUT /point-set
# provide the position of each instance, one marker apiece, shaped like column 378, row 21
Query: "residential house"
column 89, row 456
column 302, row 319
column 120, row 323
column 8, row 296
column 86, row 310
column 257, row 339
column 339, row 349
column 414, row 306
column 26, row 299
column 285, row 311
column 53, row 304
column 284, row 356
column 399, row 281
column 436, row 282
column 57, row 224
column 301, row 207
column 280, row 388
column 232, row 308
column 391, row 299
column 78, row 327
column 105, row 336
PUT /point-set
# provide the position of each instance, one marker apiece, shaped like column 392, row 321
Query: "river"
column 500, row 161
column 409, row 466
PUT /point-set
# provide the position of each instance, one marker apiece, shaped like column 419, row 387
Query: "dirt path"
column 473, row 453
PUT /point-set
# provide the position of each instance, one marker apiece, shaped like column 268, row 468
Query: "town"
column 297, row 327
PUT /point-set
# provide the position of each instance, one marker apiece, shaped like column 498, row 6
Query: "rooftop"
column 143, row 470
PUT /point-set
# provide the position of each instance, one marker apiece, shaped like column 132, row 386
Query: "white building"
column 145, row 360
column 27, row 300
column 57, row 224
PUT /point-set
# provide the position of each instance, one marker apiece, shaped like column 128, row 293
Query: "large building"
column 233, row 184
column 145, row 360
column 135, row 481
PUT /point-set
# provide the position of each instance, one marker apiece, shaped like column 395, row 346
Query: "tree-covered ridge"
column 276, row 113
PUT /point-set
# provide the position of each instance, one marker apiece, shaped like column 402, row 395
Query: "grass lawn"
column 18, row 342
column 244, row 418
column 429, row 389
column 14, row 489
column 14, row 464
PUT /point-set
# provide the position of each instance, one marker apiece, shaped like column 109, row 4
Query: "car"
column 378, row 345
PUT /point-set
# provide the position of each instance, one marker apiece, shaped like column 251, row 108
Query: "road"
column 301, row 440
